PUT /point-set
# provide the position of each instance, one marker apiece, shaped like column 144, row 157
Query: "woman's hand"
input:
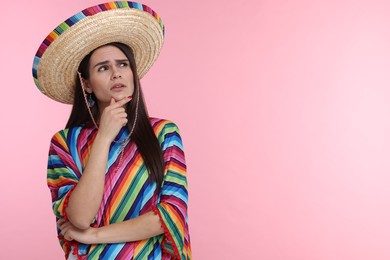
column 70, row 232
column 113, row 118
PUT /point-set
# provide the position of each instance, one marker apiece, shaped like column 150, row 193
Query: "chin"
column 120, row 96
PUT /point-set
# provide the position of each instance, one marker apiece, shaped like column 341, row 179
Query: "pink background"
column 284, row 111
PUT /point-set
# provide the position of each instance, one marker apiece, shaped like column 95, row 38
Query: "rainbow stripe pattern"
column 81, row 15
column 127, row 193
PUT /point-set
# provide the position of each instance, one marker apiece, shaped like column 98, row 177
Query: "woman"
column 117, row 177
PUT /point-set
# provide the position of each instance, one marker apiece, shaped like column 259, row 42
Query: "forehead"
column 107, row 53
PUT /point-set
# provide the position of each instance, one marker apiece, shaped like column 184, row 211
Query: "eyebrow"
column 106, row 62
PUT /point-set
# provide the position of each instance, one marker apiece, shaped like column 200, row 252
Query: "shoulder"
column 160, row 125
column 63, row 135
column 163, row 127
column 59, row 136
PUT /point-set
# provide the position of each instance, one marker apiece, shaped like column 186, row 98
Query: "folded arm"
column 139, row 228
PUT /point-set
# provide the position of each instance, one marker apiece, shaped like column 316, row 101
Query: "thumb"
column 112, row 102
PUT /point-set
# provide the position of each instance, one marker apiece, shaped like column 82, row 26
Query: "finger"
column 64, row 230
column 122, row 115
column 68, row 237
column 121, row 109
column 118, row 110
column 121, row 102
column 117, row 115
column 60, row 221
column 60, row 224
column 112, row 101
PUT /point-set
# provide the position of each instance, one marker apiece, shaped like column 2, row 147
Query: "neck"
column 101, row 107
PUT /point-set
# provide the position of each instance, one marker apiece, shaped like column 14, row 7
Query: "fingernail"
column 129, row 97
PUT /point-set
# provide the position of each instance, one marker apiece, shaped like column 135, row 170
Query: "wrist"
column 102, row 140
column 96, row 236
column 93, row 236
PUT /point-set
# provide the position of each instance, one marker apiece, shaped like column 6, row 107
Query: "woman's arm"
column 85, row 200
column 139, row 228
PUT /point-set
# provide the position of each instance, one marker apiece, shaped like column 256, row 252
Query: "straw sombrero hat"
column 58, row 57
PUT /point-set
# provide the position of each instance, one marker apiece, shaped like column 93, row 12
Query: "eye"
column 123, row 64
column 103, row 68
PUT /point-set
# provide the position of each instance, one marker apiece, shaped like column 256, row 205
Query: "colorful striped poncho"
column 127, row 194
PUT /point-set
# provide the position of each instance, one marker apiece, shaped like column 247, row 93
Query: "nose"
column 116, row 74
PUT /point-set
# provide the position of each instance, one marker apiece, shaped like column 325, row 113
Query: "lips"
column 117, row 86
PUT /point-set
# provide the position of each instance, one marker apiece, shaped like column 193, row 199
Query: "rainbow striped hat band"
column 58, row 57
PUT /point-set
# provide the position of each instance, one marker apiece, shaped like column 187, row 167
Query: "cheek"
column 96, row 84
column 131, row 84
column 132, row 89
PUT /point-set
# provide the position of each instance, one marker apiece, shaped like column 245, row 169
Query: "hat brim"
column 56, row 68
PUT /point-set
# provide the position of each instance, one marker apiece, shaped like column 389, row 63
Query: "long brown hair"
column 143, row 134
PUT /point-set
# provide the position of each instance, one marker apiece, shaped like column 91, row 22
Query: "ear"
column 87, row 86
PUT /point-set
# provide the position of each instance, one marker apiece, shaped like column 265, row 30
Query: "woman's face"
column 110, row 75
